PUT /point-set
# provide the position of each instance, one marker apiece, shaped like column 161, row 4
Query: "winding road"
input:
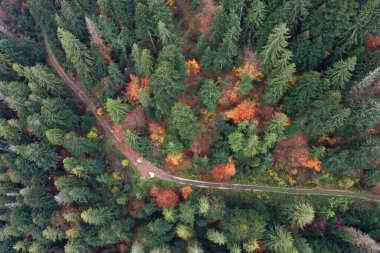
column 148, row 170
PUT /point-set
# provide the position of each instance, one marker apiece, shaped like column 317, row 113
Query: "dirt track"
column 145, row 168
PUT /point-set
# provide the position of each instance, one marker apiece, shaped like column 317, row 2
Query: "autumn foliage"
column 224, row 171
column 156, row 132
column 136, row 120
column 372, row 42
column 193, row 70
column 248, row 70
column 244, row 111
column 164, row 196
column 186, row 191
column 175, row 159
column 135, row 85
column 294, row 152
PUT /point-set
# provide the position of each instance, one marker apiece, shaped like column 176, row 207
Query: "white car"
column 139, row 160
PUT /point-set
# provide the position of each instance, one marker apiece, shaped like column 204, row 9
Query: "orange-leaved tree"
column 244, row 111
column 186, row 191
column 156, row 132
column 135, row 85
column 166, row 197
column 224, row 171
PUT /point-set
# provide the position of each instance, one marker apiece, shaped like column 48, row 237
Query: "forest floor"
column 148, row 170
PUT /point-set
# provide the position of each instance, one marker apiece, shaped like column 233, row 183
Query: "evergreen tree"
column 279, row 240
column 77, row 55
column 278, row 84
column 117, row 110
column 56, row 113
column 365, row 114
column 41, row 153
column 53, row 234
column 255, row 18
column 115, row 74
column 216, row 237
column 300, row 214
column 183, row 120
column 184, row 232
column 194, row 247
column 146, row 63
column 55, row 136
column 43, row 80
column 209, row 94
column 168, row 78
column 37, row 197
column 72, row 190
column 75, row 246
column 340, row 73
column 275, row 47
column 97, row 216
column 218, row 26
column 9, row 132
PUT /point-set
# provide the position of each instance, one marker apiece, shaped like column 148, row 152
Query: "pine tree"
column 43, row 78
column 37, row 197
column 341, row 72
column 366, row 21
column 278, row 84
column 216, row 237
column 183, row 120
column 186, row 213
column 41, row 153
column 255, row 18
column 136, row 56
column 115, row 74
column 72, row 190
column 76, row 246
column 365, row 115
column 194, row 247
column 275, row 47
column 218, row 26
column 55, row 136
column 170, row 214
column 117, row 110
column 279, row 240
column 168, row 79
column 77, row 55
column 97, row 39
column 146, row 63
column 53, row 234
column 209, row 94
column 184, row 232
column 302, row 245
column 9, row 132
column 164, row 33
column 97, row 216
column 359, row 88
column 299, row 214
column 55, row 113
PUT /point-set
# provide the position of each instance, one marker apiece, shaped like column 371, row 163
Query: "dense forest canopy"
column 265, row 92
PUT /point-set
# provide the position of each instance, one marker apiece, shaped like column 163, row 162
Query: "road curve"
column 145, row 168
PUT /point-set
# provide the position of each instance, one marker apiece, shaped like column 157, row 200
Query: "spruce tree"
column 299, row 214
column 341, row 72
column 77, row 55
column 209, row 94
column 279, row 240
column 117, row 110
column 183, row 120
column 275, row 47
column 97, row 216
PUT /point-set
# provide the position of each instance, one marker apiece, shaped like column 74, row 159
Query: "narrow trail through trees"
column 146, row 169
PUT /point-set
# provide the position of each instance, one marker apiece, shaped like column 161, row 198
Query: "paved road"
column 146, row 169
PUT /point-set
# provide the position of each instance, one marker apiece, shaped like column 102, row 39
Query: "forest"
column 276, row 93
